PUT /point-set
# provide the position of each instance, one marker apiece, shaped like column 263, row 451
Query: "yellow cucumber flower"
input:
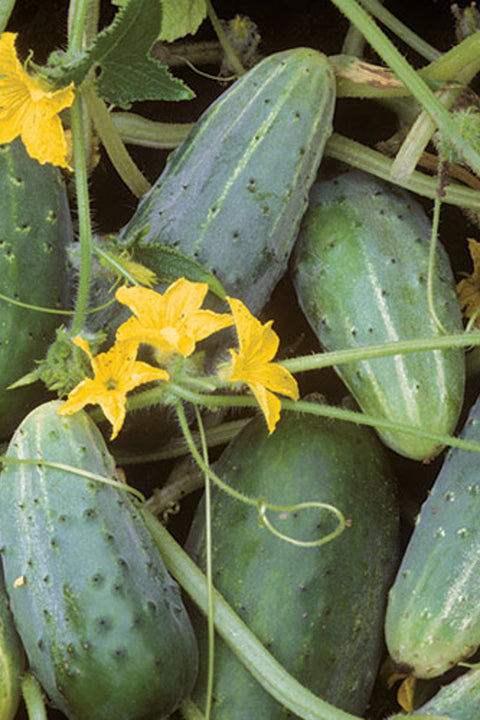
column 29, row 108
column 258, row 345
column 115, row 373
column 172, row 322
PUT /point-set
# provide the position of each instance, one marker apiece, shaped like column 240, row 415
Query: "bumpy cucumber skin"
column 318, row 610
column 35, row 229
column 459, row 699
column 12, row 659
column 360, row 272
column 233, row 194
column 433, row 616
column 102, row 622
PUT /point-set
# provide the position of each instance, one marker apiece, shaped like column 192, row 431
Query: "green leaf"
column 181, row 17
column 121, row 51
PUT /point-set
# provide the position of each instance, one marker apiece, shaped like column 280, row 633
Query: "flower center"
column 111, row 384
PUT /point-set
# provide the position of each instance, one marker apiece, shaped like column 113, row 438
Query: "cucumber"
column 101, row 621
column 433, row 617
column 35, row 230
column 12, row 659
column 459, row 699
column 233, row 193
column 319, row 610
column 360, row 272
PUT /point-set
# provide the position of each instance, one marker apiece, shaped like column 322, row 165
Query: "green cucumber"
column 233, row 194
column 12, row 659
column 319, row 610
column 35, row 230
column 459, row 699
column 360, row 271
column 101, row 621
column 433, row 617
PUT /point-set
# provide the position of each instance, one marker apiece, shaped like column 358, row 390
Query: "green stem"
column 263, row 666
column 6, row 8
column 112, row 142
column 78, row 14
column 322, row 410
column 410, row 38
column 357, row 155
column 368, row 352
column 417, row 86
column 83, row 211
column 224, row 41
column 33, row 698
column 137, row 130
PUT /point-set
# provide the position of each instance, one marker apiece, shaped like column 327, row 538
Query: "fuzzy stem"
column 83, row 210
column 112, row 142
column 323, row 410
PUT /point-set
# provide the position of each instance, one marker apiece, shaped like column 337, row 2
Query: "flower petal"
column 44, row 138
column 276, row 378
column 269, row 404
column 206, row 322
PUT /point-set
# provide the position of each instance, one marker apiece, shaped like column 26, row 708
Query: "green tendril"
column 4, row 459
column 260, row 503
column 209, row 572
column 263, row 506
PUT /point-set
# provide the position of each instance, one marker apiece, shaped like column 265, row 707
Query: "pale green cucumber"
column 233, row 193
column 433, row 616
column 360, row 271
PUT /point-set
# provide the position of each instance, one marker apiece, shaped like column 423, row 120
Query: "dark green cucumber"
column 102, row 622
column 433, row 617
column 233, row 194
column 360, row 271
column 12, row 659
column 35, row 229
column 459, row 699
column 319, row 610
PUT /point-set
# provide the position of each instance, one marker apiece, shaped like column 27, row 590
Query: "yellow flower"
column 172, row 322
column 29, row 108
column 258, row 345
column 468, row 289
column 115, row 373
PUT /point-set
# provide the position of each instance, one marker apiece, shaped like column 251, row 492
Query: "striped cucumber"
column 319, row 610
column 360, row 271
column 233, row 194
column 35, row 230
column 433, row 617
column 102, row 622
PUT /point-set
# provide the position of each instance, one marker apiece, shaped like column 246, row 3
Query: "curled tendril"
column 260, row 503
column 74, row 470
column 263, row 506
